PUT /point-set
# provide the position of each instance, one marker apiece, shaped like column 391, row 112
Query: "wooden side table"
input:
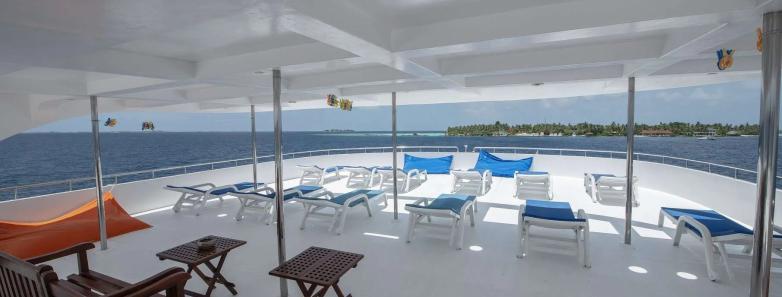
column 190, row 255
column 318, row 267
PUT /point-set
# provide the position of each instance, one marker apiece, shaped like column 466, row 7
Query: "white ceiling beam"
column 265, row 60
column 10, row 84
column 390, row 87
column 573, row 74
column 346, row 77
column 574, row 20
column 554, row 58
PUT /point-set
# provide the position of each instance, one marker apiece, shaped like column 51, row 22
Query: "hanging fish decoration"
column 110, row 122
column 724, row 59
column 331, row 100
column 147, row 126
column 759, row 43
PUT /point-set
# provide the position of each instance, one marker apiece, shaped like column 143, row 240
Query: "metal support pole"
column 767, row 155
column 98, row 172
column 630, row 131
column 255, row 147
column 278, row 188
column 393, row 148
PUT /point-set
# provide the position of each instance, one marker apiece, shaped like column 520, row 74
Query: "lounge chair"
column 32, row 279
column 713, row 230
column 263, row 200
column 472, row 181
column 533, row 185
column 453, row 206
column 197, row 196
column 405, row 178
column 316, row 175
column 609, row 186
column 554, row 215
column 341, row 204
column 361, row 177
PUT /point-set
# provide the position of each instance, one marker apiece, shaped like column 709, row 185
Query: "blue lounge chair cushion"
column 341, row 199
column 501, row 167
column 550, row 210
column 452, row 202
column 440, row 165
column 718, row 224
column 239, row 187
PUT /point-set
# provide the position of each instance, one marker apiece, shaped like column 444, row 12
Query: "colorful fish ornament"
column 724, row 59
column 110, row 122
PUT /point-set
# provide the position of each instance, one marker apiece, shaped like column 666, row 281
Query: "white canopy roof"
column 205, row 55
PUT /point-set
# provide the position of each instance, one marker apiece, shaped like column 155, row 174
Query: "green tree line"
column 613, row 129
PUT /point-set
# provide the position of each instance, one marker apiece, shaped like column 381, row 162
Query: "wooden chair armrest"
column 169, row 280
column 80, row 249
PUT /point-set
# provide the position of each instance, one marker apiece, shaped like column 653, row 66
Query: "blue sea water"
column 41, row 157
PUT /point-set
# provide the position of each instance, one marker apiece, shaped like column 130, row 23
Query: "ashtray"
column 206, row 244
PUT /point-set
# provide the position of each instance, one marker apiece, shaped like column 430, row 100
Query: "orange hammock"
column 31, row 239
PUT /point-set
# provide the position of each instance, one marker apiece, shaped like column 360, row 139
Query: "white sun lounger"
column 361, row 177
column 404, row 179
column 470, row 182
column 196, row 196
column 554, row 215
column 340, row 204
column 263, row 200
column 316, row 175
column 533, row 185
column 452, row 206
column 714, row 230
column 609, row 186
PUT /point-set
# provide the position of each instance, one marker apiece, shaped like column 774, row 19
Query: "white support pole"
column 279, row 202
column 98, row 172
column 630, row 131
column 254, row 147
column 767, row 155
column 393, row 147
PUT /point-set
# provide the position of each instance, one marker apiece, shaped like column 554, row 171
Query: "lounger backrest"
column 22, row 279
column 441, row 165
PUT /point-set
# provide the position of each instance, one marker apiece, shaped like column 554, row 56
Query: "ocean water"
column 42, row 157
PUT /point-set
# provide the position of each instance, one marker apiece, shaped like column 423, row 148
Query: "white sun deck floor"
column 487, row 266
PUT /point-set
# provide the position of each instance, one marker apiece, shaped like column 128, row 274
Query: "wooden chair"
column 19, row 278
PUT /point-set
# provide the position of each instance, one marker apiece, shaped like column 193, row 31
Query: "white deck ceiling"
column 201, row 55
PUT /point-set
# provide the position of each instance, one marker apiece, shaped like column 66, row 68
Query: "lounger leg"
column 454, row 225
column 369, row 208
column 343, row 216
column 240, row 214
column 471, row 211
column 680, row 229
column 520, row 224
column 461, row 234
column 708, row 248
column 334, row 219
column 661, row 219
column 270, row 214
column 178, row 204
column 724, row 256
column 579, row 245
column 306, row 214
column 428, row 218
column 585, row 236
column 413, row 218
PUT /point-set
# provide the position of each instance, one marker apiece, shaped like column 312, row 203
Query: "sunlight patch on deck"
column 601, row 226
column 651, row 233
column 502, row 216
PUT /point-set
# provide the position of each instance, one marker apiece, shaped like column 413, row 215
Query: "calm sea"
column 33, row 158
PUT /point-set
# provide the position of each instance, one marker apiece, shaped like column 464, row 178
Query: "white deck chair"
column 714, row 230
column 196, row 196
column 361, row 177
column 612, row 187
column 470, row 182
column 533, row 185
column 316, row 175
column 340, row 204
column 554, row 215
column 452, row 206
column 263, row 200
column 590, row 183
column 404, row 179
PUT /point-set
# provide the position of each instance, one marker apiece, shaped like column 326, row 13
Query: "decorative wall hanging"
column 724, row 59
column 147, row 126
column 759, row 43
column 341, row 103
column 110, row 122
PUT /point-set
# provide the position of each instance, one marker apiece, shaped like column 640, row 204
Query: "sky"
column 734, row 103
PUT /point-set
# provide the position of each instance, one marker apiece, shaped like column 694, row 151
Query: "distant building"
column 657, row 133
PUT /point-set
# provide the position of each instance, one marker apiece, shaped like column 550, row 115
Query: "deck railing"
column 714, row 168
column 22, row 191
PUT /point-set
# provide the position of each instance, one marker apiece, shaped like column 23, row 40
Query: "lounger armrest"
column 79, row 249
column 486, row 175
column 210, row 185
column 265, row 188
column 412, row 172
column 581, row 214
column 172, row 279
column 702, row 229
